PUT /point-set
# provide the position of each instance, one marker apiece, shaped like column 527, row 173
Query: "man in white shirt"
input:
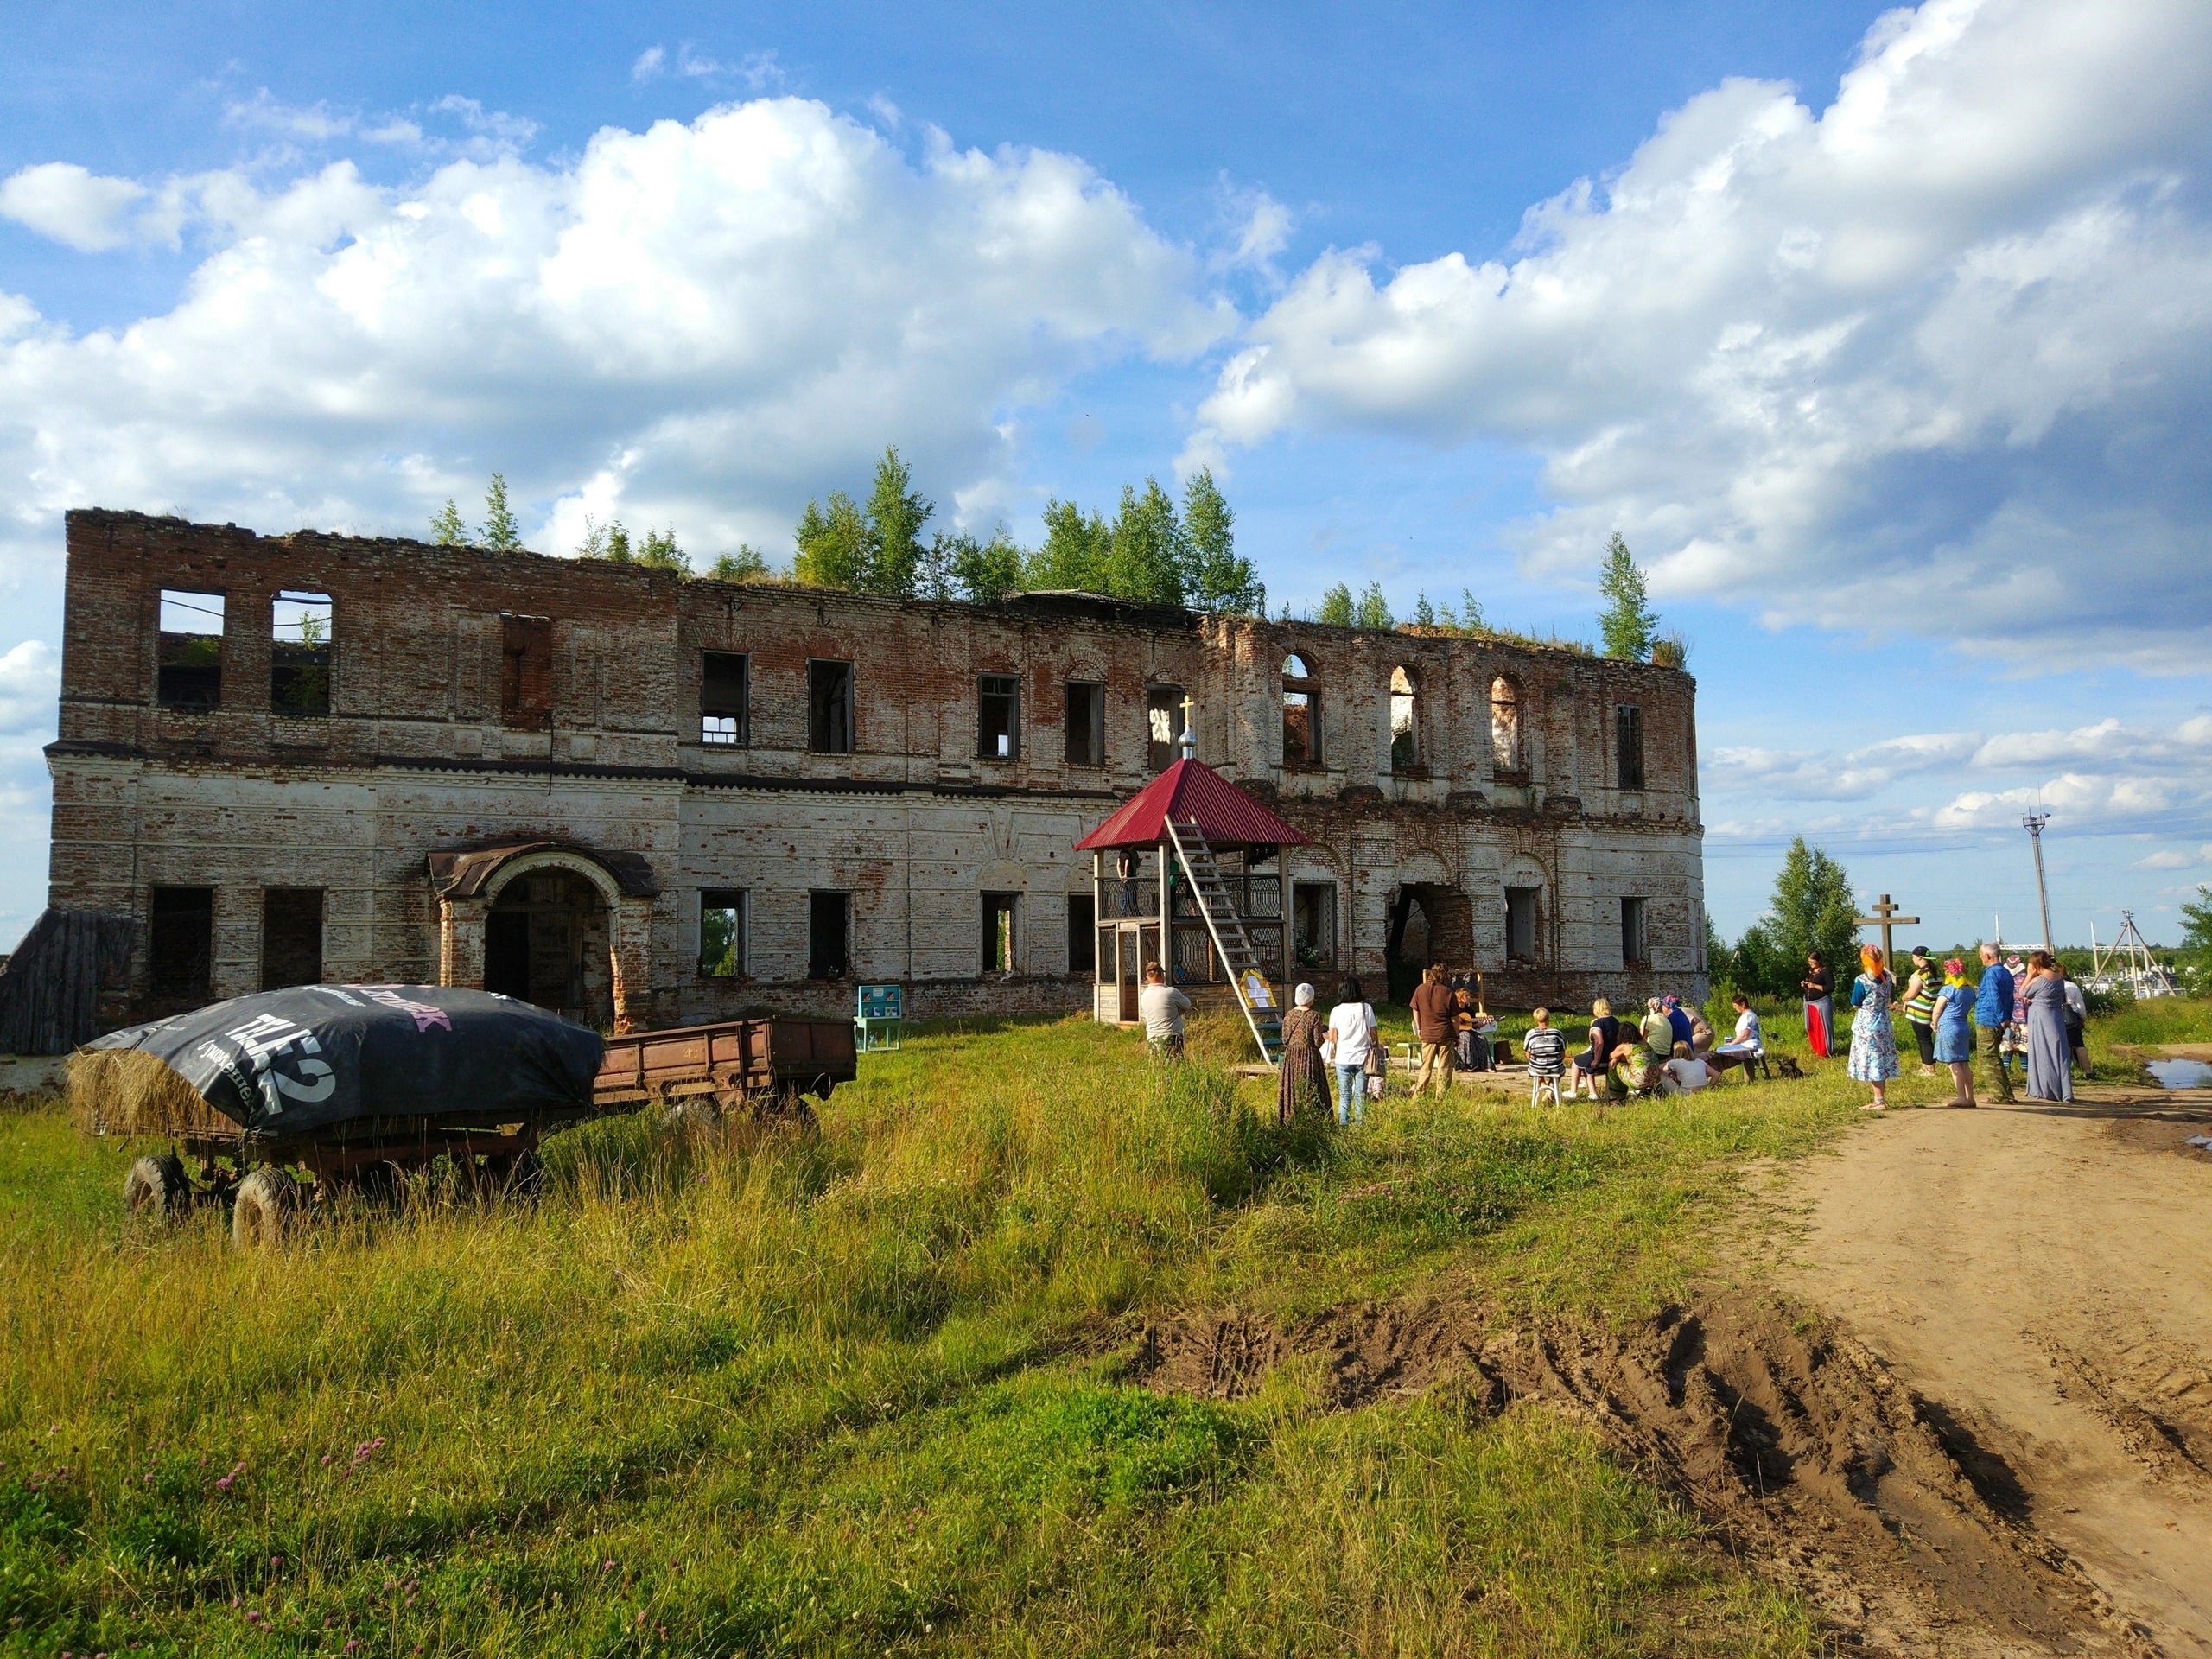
column 1161, row 1007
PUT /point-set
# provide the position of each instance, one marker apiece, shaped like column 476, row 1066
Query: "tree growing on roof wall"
column 1628, row 622
column 1219, row 580
column 499, row 531
column 834, row 548
column 1373, row 611
column 746, row 564
column 896, row 513
column 1336, row 610
column 1151, row 559
column 958, row 566
column 446, row 527
column 1077, row 554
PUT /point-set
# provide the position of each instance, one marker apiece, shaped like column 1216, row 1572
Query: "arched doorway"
column 546, row 940
column 1429, row 922
column 564, row 927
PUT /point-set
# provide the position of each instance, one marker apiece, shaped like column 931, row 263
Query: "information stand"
column 879, row 1017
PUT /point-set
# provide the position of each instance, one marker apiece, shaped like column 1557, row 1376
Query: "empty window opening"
column 721, row 933
column 1627, row 744
column 189, row 674
column 998, row 717
column 1301, row 713
column 527, row 672
column 1163, row 716
column 291, row 937
column 829, row 708
column 1505, row 725
column 829, row 935
column 180, row 942
column 1313, row 925
column 998, row 932
column 1520, row 924
column 1405, row 737
column 1086, row 723
column 725, row 689
column 1635, row 945
column 299, row 655
column 1082, row 934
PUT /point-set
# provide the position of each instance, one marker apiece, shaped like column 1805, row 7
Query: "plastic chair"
column 1539, row 1087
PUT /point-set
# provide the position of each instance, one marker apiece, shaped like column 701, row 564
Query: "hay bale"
column 123, row 1092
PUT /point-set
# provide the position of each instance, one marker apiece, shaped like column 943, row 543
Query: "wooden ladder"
column 1230, row 939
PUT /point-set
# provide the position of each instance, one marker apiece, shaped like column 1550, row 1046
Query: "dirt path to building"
column 2042, row 1277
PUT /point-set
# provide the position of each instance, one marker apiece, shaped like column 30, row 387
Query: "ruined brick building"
column 640, row 798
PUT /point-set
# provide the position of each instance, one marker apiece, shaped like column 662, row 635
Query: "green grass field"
column 858, row 1392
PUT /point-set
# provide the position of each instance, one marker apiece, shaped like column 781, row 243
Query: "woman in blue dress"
column 1873, row 1039
column 1953, row 1035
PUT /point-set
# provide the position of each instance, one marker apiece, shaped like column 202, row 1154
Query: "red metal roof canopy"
column 1227, row 816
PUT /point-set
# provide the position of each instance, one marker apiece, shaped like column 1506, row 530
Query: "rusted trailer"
column 765, row 1065
column 760, row 1064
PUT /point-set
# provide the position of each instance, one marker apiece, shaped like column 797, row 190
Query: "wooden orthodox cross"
column 1885, row 917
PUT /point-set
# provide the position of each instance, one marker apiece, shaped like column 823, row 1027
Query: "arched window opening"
column 1301, row 713
column 1505, row 725
column 1405, row 735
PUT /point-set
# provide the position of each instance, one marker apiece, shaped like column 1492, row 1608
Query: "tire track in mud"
column 1795, row 1443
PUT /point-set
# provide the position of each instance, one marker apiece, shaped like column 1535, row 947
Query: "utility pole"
column 2034, row 823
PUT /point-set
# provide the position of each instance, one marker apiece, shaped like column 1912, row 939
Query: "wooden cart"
column 764, row 1065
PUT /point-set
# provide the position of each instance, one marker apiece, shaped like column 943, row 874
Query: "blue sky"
column 1881, row 335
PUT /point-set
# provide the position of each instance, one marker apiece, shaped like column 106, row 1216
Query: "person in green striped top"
column 1920, row 994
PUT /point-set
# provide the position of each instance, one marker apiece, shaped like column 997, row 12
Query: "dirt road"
column 2044, row 1277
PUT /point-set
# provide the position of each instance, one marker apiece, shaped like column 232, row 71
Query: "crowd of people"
column 2032, row 1009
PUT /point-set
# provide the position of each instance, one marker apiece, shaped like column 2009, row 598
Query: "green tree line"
column 1154, row 550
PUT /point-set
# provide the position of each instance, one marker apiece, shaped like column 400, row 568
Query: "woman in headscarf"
column 1953, row 1035
column 2050, row 1062
column 1819, row 987
column 1301, row 1086
column 1873, row 1039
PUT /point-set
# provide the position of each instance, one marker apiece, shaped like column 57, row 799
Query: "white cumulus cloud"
column 696, row 324
column 78, row 208
column 30, row 685
column 1937, row 357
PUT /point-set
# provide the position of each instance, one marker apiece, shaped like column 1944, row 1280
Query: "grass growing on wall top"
column 860, row 1392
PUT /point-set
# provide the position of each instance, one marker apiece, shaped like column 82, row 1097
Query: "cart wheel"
column 379, row 1184
column 525, row 1179
column 788, row 1105
column 695, row 1115
column 157, row 1186
column 263, row 1209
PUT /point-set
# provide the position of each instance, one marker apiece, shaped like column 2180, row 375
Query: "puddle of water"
column 2181, row 1074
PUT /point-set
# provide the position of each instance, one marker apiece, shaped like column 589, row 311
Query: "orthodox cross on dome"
column 1188, row 744
column 1885, row 917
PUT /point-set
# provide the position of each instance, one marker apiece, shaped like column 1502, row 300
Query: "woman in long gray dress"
column 2051, row 1064
column 1300, row 1085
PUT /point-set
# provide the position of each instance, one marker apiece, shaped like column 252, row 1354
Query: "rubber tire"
column 157, row 1186
column 262, row 1208
column 694, row 1114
